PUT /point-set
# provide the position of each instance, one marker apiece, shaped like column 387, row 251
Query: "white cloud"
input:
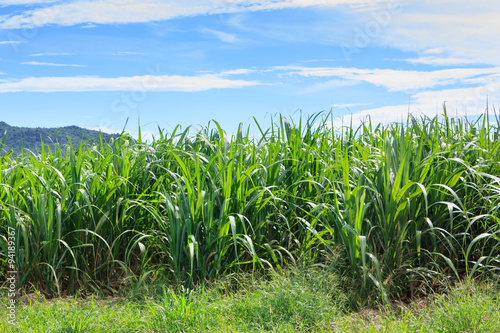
column 101, row 12
column 135, row 11
column 147, row 136
column 357, row 4
column 37, row 63
column 434, row 50
column 459, row 28
column 223, row 36
column 435, row 61
column 395, row 80
column 239, row 71
column 103, row 129
column 459, row 102
column 11, row 42
column 135, row 83
column 88, row 26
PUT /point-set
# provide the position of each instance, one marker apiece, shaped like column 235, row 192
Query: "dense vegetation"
column 399, row 208
column 17, row 139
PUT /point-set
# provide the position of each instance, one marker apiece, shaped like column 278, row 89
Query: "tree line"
column 18, row 139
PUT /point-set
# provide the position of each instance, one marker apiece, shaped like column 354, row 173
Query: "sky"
column 98, row 63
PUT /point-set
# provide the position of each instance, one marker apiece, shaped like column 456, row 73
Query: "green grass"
column 402, row 209
column 289, row 301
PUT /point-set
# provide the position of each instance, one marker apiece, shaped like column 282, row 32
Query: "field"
column 400, row 211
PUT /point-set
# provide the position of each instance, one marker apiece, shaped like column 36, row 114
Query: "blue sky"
column 96, row 63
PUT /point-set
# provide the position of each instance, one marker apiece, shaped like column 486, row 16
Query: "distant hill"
column 17, row 138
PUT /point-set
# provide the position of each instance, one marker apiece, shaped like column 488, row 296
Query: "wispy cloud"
column 135, row 11
column 4, row 42
column 435, row 61
column 434, row 50
column 459, row 28
column 396, row 80
column 239, row 71
column 135, row 83
column 88, row 26
column 37, row 63
column 51, row 54
column 459, row 102
column 223, row 36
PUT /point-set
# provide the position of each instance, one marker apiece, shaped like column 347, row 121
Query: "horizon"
column 95, row 64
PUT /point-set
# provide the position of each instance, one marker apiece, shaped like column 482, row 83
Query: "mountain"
column 18, row 138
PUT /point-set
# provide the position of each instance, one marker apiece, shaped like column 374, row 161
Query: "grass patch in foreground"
column 287, row 302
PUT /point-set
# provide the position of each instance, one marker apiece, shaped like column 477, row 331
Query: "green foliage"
column 398, row 208
column 18, row 139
